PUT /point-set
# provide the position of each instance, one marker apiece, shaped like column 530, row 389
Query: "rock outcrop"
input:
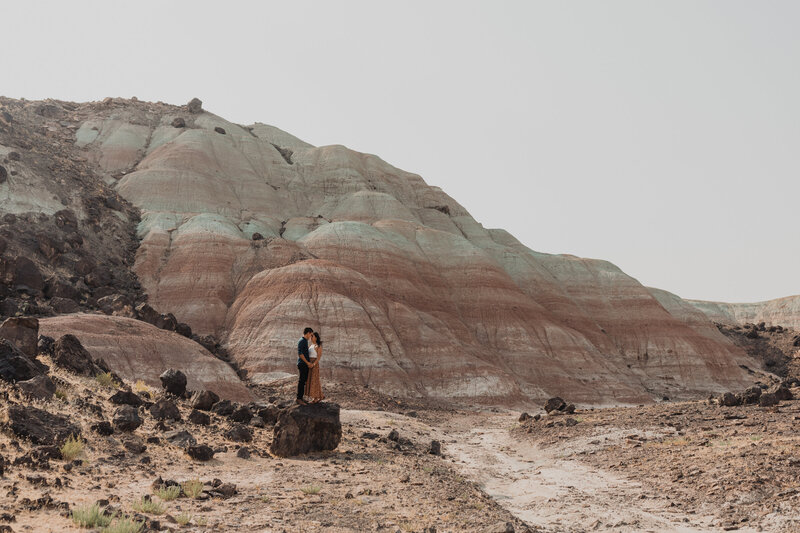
column 136, row 350
column 307, row 428
column 780, row 312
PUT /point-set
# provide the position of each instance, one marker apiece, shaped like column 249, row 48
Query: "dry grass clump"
column 90, row 516
column 124, row 525
column 72, row 448
column 183, row 519
column 311, row 489
column 193, row 488
column 168, row 493
column 140, row 387
column 149, row 506
column 106, row 380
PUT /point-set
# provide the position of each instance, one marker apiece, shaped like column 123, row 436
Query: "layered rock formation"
column 778, row 312
column 139, row 351
column 250, row 234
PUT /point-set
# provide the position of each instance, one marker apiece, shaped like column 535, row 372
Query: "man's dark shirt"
column 302, row 348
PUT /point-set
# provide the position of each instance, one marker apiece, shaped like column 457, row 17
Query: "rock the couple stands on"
column 309, row 353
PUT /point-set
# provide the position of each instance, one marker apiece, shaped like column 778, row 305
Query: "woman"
column 313, row 385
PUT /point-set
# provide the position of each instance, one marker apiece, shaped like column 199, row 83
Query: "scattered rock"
column 570, row 409
column 204, row 400
column 501, row 527
column 524, row 416
column 13, row 156
column 103, row 428
column 436, row 448
column 180, row 438
column 307, row 428
column 555, row 404
column 15, row 366
column 134, row 446
column 147, row 313
column 393, row 435
column 174, row 381
column 768, row 399
column 39, row 426
column 782, row 393
column 124, row 397
column 195, row 106
column 241, row 414
column 220, row 130
column 22, row 331
column 202, row 452
column 269, row 414
column 39, row 388
column 3, row 174
column 224, row 491
column 126, row 418
column 165, row 410
column 199, row 418
column 69, row 353
column 750, row 396
column 239, row 433
column 569, row 422
column 46, row 345
column 178, row 122
column 243, row 453
column 183, row 329
column 729, row 400
column 258, row 237
column 223, row 408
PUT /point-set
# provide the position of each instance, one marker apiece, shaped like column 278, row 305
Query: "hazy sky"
column 661, row 136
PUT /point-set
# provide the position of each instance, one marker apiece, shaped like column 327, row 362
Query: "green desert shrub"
column 193, row 488
column 106, row 380
column 183, row 519
column 168, row 493
column 89, row 516
column 148, row 506
column 124, row 525
column 311, row 489
column 72, row 448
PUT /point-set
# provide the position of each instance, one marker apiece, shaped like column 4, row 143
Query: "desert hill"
column 239, row 236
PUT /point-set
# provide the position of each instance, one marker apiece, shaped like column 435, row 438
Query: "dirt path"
column 562, row 495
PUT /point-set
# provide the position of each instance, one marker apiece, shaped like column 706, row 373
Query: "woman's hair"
column 319, row 339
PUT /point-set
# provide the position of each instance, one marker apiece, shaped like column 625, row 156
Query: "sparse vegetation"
column 90, row 516
column 149, row 506
column 183, row 519
column 125, row 525
column 193, row 488
column 201, row 521
column 72, row 448
column 61, row 395
column 140, row 387
column 168, row 493
column 106, row 380
column 265, row 499
column 311, row 489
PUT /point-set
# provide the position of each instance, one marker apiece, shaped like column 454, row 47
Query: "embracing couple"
column 309, row 352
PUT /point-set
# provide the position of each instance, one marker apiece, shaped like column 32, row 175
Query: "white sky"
column 661, row 136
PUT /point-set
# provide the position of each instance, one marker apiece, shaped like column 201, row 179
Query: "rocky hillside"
column 779, row 312
column 247, row 234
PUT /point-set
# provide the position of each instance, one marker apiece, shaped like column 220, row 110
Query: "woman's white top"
column 312, row 352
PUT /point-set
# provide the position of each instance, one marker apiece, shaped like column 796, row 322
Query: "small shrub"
column 311, row 489
column 140, row 387
column 89, row 516
column 106, row 380
column 168, row 493
column 125, row 525
column 193, row 488
column 201, row 521
column 149, row 506
column 72, row 448
column 61, row 394
column 265, row 499
column 183, row 519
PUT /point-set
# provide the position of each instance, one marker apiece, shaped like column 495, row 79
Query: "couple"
column 309, row 352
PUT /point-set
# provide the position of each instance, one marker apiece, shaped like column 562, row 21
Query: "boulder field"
column 249, row 234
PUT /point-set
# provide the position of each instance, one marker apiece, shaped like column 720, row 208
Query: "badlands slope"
column 250, row 234
column 779, row 312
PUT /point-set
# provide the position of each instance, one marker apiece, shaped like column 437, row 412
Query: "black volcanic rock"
column 174, row 381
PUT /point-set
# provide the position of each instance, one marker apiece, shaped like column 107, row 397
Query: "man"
column 302, row 364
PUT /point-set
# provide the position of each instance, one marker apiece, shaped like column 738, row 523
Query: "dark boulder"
column 195, row 106
column 22, row 331
column 202, row 452
column 257, row 237
column 269, row 414
column 173, row 381
column 750, row 395
column 147, row 313
column 39, row 388
column 307, row 428
column 103, row 428
column 69, row 353
column 782, row 393
column 165, row 410
column 184, row 329
column 729, row 399
column 219, row 130
column 124, row 397
column 436, row 448
column 15, row 366
column 126, row 418
column 241, row 414
column 223, row 408
column 167, row 322
column 178, row 122
column 3, row 174
column 524, row 416
column 64, row 306
column 200, row 418
column 204, row 400
column 39, row 426
column 22, row 273
column 243, row 453
column 239, row 433
column 99, row 277
column 768, row 399
column 555, row 404
column 45, row 345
